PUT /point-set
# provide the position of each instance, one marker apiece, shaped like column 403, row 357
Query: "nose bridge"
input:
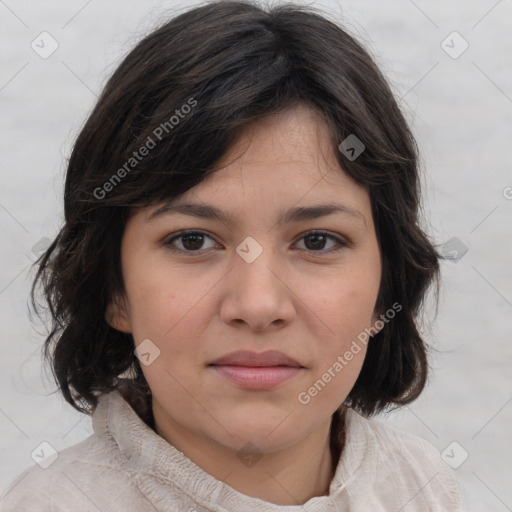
column 250, row 249
column 257, row 258
column 257, row 296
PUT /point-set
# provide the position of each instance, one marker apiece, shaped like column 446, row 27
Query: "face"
column 261, row 278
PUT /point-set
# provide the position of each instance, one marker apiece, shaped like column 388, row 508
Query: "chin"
column 268, row 434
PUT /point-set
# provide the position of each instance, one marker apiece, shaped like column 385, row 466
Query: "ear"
column 116, row 315
column 377, row 323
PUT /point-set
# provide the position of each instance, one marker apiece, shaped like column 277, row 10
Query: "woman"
column 237, row 284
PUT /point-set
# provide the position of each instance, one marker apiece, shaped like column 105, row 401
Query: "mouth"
column 256, row 371
column 270, row 358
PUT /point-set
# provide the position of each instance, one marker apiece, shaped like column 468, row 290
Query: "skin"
column 298, row 297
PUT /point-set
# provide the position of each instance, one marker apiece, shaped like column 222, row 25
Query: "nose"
column 256, row 292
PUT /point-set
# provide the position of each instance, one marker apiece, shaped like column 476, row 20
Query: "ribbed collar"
column 160, row 468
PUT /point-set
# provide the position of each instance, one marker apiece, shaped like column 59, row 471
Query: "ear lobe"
column 116, row 315
column 377, row 323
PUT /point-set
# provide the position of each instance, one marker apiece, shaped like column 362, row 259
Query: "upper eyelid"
column 340, row 238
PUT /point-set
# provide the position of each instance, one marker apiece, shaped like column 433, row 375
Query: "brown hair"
column 230, row 62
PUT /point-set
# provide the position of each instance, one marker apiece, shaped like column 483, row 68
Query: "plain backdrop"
column 459, row 104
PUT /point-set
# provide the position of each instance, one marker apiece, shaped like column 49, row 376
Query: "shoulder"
column 395, row 441
column 87, row 476
column 404, row 467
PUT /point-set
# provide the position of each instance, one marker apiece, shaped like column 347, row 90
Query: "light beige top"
column 126, row 467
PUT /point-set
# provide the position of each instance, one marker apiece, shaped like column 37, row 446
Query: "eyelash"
column 340, row 242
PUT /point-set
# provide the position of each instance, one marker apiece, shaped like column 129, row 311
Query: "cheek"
column 167, row 305
column 332, row 386
column 339, row 356
column 346, row 307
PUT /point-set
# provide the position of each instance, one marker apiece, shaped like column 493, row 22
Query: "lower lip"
column 252, row 377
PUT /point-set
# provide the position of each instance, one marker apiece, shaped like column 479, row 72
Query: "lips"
column 254, row 359
column 256, row 371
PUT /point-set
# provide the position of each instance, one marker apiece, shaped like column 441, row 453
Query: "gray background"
column 461, row 112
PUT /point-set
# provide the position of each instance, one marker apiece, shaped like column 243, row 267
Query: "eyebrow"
column 297, row 214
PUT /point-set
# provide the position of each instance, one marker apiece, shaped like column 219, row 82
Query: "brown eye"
column 317, row 240
column 191, row 241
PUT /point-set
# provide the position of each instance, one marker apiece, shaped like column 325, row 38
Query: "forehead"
column 281, row 166
column 290, row 150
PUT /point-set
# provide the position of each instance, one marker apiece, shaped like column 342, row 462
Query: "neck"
column 291, row 476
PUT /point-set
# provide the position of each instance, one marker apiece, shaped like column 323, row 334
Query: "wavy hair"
column 238, row 61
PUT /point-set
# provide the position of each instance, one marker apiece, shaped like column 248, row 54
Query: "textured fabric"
column 126, row 467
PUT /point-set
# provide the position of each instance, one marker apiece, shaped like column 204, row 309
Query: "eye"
column 318, row 240
column 192, row 242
